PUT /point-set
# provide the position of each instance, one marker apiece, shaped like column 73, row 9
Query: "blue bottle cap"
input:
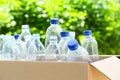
column 54, row 21
column 16, row 36
column 64, row 34
column 72, row 44
column 87, row 32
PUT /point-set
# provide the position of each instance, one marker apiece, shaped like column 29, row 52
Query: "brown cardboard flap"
column 109, row 67
column 18, row 70
column 96, row 74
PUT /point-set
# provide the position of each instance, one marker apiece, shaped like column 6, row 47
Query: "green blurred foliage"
column 101, row 16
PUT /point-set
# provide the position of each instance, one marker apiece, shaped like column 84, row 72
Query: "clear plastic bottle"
column 1, row 43
column 62, row 45
column 52, row 30
column 28, row 40
column 10, row 49
column 40, row 47
column 25, row 32
column 76, row 52
column 22, row 47
column 32, row 50
column 52, row 50
column 89, row 43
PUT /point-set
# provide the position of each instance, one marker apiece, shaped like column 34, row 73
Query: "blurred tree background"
column 101, row 16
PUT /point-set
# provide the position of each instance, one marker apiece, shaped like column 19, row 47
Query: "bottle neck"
column 88, row 36
column 67, row 37
column 25, row 30
column 54, row 25
column 36, row 39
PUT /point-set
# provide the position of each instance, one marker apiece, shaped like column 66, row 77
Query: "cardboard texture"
column 96, row 74
column 15, row 70
column 25, row 70
column 109, row 67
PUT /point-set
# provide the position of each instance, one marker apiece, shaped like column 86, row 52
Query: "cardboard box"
column 105, row 69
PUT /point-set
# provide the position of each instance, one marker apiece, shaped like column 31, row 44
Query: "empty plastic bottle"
column 10, row 49
column 89, row 43
column 76, row 52
column 22, row 47
column 62, row 45
column 25, row 32
column 52, row 30
column 31, row 53
column 1, row 43
column 28, row 40
column 39, row 46
column 52, row 49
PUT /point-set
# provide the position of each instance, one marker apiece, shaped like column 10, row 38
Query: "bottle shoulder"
column 25, row 32
column 79, row 51
column 40, row 45
column 53, row 29
column 63, row 43
column 89, row 40
column 51, row 48
column 19, row 41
